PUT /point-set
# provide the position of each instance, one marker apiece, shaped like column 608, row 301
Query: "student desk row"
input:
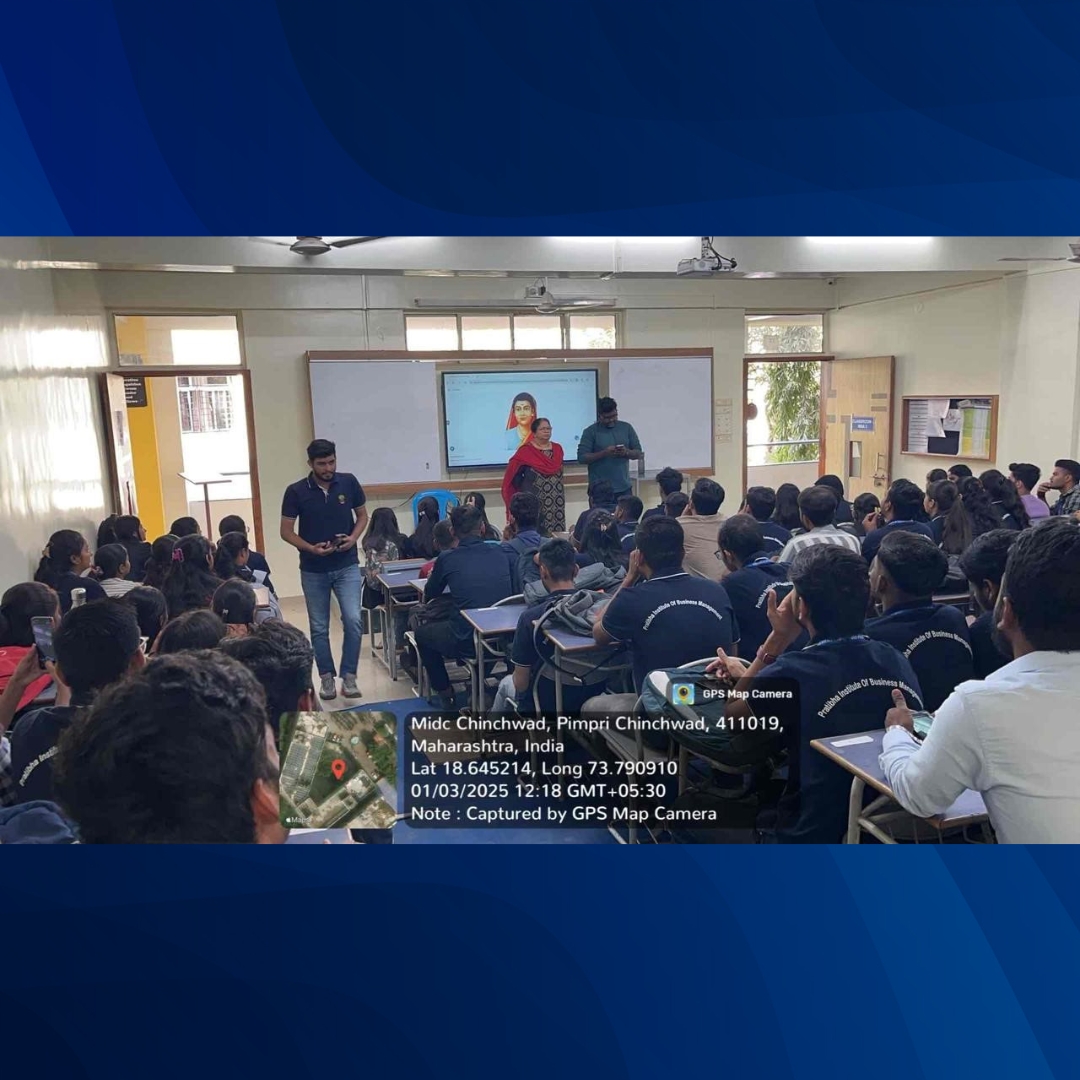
column 858, row 755
column 398, row 580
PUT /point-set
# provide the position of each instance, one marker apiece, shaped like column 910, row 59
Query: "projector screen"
column 484, row 409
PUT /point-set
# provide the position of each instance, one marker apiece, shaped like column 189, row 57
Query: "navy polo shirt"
column 845, row 686
column 323, row 515
column 872, row 540
column 475, row 573
column 749, row 589
column 776, row 536
column 671, row 619
column 934, row 640
column 984, row 653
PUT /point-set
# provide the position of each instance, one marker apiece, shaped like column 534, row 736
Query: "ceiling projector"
column 709, row 262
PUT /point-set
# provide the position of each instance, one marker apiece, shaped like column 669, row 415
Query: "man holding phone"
column 608, row 447
column 328, row 507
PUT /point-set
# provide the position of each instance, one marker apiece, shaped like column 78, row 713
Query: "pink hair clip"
column 177, row 555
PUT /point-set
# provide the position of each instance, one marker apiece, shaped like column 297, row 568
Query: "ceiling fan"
column 316, row 245
column 1074, row 258
column 536, row 297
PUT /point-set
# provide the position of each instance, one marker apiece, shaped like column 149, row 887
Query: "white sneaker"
column 349, row 687
column 328, row 689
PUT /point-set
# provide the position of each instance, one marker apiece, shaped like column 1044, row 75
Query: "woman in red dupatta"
column 537, row 467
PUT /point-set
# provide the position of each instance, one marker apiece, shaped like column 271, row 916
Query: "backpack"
column 522, row 567
column 577, row 612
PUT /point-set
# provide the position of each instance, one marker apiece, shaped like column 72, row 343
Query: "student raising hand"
column 782, row 617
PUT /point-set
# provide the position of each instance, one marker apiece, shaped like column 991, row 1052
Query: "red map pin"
column 337, row 767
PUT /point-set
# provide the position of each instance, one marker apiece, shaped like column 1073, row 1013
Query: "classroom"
column 816, row 502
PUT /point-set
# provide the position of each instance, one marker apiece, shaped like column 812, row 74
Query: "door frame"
column 174, row 371
column 775, row 358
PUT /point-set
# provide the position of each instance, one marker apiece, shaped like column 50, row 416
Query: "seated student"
column 667, row 616
column 280, row 658
column 382, row 543
column 668, row 480
column 941, row 496
column 151, row 611
column 984, row 564
column 1012, row 737
column 421, row 544
column 903, row 502
column 701, row 521
column 557, row 571
column 676, row 503
column 193, row 630
column 934, row 475
column 180, row 753
column 932, row 637
column 132, row 535
column 844, row 679
column 160, row 561
column 1065, row 479
column 760, row 502
column 1025, row 478
column 20, row 604
column 843, row 514
column 65, row 558
column 184, row 526
column 444, row 538
column 862, row 507
column 601, row 544
column 601, row 497
column 476, row 575
column 786, row 513
column 817, row 507
column 487, row 530
column 1005, row 501
column 235, row 604
column 257, row 563
column 190, row 583
column 106, row 533
column 112, row 564
column 628, row 514
column 96, row 645
column 957, row 473
column 753, row 574
column 523, row 516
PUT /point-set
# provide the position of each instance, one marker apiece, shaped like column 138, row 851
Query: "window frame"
column 563, row 316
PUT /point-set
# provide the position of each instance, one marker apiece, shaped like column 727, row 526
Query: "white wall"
column 52, row 468
column 946, row 342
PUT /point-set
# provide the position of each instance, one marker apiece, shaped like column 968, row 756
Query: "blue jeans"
column 345, row 585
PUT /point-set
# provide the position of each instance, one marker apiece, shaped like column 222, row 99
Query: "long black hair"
column 160, row 561
column 1002, row 490
column 488, row 531
column 63, row 546
column 189, row 584
column 382, row 530
column 786, row 513
column 422, row 544
column 602, row 543
column 129, row 527
column 229, row 549
column 109, row 559
column 235, row 602
column 150, row 609
column 106, row 533
column 21, row 603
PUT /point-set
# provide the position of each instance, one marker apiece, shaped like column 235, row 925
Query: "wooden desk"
column 858, row 754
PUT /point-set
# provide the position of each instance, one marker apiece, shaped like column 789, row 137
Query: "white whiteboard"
column 383, row 415
column 668, row 400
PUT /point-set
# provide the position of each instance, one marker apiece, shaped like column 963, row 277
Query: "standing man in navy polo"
column 329, row 506
column 608, row 447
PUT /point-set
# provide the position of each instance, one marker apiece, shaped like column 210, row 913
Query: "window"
column 485, row 332
column 205, row 404
column 777, row 334
column 592, row 331
column 446, row 333
column 177, row 340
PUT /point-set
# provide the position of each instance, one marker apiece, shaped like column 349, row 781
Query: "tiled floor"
column 373, row 678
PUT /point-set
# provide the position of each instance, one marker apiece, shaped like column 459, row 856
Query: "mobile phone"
column 340, row 539
column 921, row 721
column 42, row 628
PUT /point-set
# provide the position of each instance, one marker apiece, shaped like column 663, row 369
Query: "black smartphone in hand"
column 42, row 628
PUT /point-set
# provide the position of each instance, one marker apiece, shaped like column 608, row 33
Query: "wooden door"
column 856, row 423
column 118, row 440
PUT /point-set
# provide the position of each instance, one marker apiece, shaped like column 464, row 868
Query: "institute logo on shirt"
column 341, row 498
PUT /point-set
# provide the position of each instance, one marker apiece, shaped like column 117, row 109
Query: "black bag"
column 437, row 609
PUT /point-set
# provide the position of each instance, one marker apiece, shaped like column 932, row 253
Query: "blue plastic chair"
column 447, row 500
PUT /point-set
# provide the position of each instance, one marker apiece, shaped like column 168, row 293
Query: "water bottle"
column 78, row 597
